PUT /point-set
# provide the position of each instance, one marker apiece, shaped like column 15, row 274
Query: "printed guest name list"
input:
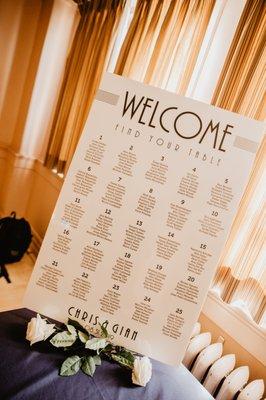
column 143, row 215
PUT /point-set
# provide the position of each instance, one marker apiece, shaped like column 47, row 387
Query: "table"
column 32, row 373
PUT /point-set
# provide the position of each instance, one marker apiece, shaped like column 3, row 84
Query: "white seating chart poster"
column 143, row 215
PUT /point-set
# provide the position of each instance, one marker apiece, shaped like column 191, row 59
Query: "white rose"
column 141, row 373
column 38, row 329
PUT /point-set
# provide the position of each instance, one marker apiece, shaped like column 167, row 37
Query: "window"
column 241, row 277
column 161, row 47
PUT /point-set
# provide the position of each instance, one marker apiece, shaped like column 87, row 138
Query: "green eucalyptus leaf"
column 70, row 366
column 63, row 339
column 104, row 331
column 97, row 360
column 96, row 344
column 77, row 325
column 88, row 366
column 71, row 329
column 125, row 362
column 83, row 337
column 108, row 348
column 127, row 354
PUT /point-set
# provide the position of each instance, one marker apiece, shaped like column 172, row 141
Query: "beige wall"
column 42, row 198
column 9, row 34
column 25, row 185
column 21, row 26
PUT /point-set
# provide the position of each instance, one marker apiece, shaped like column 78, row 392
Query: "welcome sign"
column 143, row 215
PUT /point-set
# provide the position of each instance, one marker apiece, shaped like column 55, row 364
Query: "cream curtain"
column 163, row 42
column 160, row 48
column 86, row 61
column 241, row 278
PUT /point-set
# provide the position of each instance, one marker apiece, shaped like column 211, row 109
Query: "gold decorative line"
column 107, row 97
column 246, row 144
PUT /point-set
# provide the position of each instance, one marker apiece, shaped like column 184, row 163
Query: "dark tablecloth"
column 32, row 373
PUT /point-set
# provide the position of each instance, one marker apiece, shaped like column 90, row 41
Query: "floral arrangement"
column 89, row 349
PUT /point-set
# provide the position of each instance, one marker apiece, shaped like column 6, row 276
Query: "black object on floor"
column 15, row 238
column 4, row 273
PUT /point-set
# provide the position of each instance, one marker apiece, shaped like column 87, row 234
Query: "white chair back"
column 234, row 382
column 196, row 345
column 220, row 369
column 205, row 359
column 253, row 391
